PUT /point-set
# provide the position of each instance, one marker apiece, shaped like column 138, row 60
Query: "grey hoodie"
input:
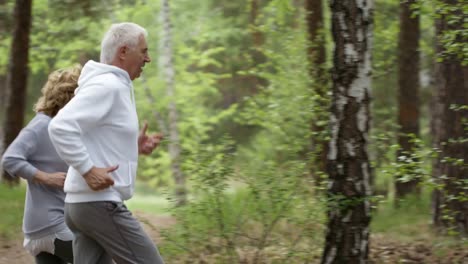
column 29, row 152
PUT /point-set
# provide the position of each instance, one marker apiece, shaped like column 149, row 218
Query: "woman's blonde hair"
column 58, row 90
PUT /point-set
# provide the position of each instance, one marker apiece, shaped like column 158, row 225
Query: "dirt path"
column 384, row 250
column 11, row 250
column 387, row 250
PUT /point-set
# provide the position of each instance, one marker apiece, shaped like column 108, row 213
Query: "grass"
column 11, row 208
column 411, row 222
column 148, row 200
column 149, row 203
column 406, row 221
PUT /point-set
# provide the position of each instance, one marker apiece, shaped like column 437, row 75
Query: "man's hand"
column 56, row 179
column 99, row 178
column 147, row 143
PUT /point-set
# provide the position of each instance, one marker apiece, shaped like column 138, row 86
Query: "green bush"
column 245, row 214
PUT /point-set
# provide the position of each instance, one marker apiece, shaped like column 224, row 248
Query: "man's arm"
column 98, row 178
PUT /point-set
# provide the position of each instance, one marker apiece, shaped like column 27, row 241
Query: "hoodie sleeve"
column 15, row 159
column 86, row 111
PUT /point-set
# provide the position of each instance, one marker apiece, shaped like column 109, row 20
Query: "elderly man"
column 97, row 135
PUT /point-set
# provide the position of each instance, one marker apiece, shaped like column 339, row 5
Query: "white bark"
column 349, row 187
column 169, row 74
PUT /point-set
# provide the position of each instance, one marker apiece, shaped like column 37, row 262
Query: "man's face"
column 137, row 57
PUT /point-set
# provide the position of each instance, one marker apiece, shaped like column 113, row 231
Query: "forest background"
column 296, row 131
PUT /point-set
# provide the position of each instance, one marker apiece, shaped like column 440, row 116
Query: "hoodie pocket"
column 124, row 179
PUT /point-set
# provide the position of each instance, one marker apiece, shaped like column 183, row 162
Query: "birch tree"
column 349, row 191
column 169, row 74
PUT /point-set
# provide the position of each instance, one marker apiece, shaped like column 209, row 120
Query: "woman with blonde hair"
column 32, row 157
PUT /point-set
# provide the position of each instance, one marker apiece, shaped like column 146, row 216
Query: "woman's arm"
column 15, row 159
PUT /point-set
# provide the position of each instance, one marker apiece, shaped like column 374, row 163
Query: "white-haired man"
column 97, row 135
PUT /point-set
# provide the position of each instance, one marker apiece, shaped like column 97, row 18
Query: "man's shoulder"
column 109, row 80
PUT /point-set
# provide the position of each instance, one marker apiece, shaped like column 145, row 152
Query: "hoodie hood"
column 93, row 69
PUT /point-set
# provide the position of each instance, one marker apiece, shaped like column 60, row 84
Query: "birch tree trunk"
column 408, row 87
column 450, row 206
column 349, row 191
column 169, row 74
column 17, row 76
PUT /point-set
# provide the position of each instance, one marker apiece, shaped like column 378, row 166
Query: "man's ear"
column 122, row 51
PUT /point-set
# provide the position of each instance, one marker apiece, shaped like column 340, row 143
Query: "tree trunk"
column 257, row 35
column 5, row 25
column 408, row 87
column 319, row 77
column 174, row 142
column 315, row 27
column 349, row 191
column 450, row 207
column 17, row 75
column 3, row 97
column 258, row 39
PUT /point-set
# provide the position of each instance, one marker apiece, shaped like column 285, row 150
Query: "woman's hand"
column 56, row 179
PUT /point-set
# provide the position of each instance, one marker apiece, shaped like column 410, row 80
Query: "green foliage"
column 416, row 164
column 250, row 197
column 199, row 64
column 266, row 216
column 384, row 131
column 454, row 189
column 398, row 220
column 255, row 202
column 386, row 28
column 454, row 38
column 61, row 38
column 6, row 27
column 413, row 164
column 283, row 107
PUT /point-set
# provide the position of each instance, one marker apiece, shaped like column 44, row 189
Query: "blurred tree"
column 349, row 191
column 450, row 206
column 75, row 9
column 315, row 28
column 408, row 96
column 17, row 76
column 320, row 77
column 5, row 25
column 169, row 74
column 257, row 35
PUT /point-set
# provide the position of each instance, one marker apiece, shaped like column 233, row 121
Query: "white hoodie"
column 98, row 127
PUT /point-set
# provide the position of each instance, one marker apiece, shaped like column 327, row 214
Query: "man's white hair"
column 119, row 35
